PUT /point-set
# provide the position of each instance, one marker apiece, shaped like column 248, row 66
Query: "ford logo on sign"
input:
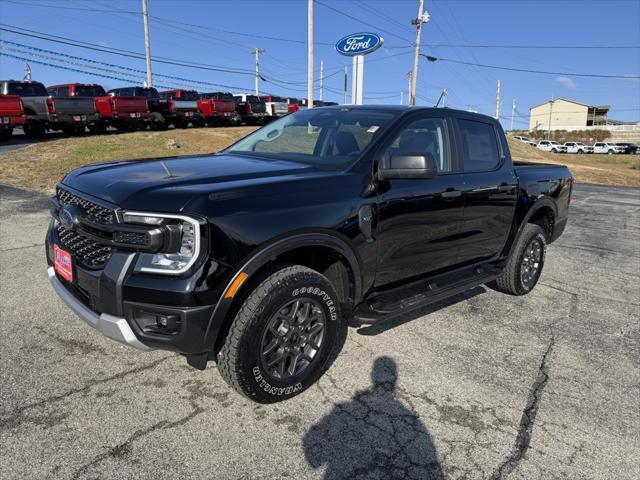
column 359, row 44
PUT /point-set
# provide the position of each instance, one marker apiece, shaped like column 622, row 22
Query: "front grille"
column 92, row 211
column 87, row 252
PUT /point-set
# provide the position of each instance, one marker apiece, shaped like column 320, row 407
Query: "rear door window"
column 479, row 146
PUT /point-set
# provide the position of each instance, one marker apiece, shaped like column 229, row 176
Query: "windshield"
column 329, row 139
column 27, row 89
column 89, row 91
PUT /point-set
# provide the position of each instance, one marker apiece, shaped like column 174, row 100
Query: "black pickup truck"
column 256, row 257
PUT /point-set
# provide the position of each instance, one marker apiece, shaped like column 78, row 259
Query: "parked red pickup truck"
column 123, row 113
column 11, row 115
column 185, row 104
column 219, row 108
column 295, row 105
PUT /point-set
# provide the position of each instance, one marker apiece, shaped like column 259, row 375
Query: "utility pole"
column 147, row 43
column 310, row 54
column 550, row 115
column 408, row 76
column 321, row 77
column 401, row 98
column 344, row 101
column 422, row 18
column 513, row 112
column 497, row 115
column 257, row 52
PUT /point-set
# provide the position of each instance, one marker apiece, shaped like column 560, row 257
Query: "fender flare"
column 259, row 259
column 539, row 204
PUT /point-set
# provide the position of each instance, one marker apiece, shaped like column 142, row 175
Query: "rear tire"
column 35, row 130
column 157, row 122
column 524, row 266
column 283, row 336
column 610, row 152
column 5, row 134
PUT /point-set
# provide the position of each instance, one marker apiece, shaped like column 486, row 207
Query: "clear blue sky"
column 459, row 22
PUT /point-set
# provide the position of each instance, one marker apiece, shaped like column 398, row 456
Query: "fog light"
column 156, row 322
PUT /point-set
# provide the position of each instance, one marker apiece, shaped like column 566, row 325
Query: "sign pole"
column 357, row 80
column 310, row 54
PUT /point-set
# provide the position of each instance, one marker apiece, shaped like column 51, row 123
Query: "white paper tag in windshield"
column 373, row 129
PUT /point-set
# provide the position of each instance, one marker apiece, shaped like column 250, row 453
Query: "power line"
column 110, row 66
column 168, row 20
column 590, row 75
column 360, row 21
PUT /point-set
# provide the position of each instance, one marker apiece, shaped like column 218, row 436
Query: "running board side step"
column 389, row 305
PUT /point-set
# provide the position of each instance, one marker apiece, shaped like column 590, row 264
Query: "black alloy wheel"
column 293, row 338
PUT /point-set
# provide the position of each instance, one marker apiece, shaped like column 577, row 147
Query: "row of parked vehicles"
column 72, row 108
column 579, row 147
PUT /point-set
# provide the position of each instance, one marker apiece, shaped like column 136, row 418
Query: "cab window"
column 427, row 135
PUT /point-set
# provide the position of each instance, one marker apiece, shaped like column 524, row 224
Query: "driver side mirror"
column 408, row 167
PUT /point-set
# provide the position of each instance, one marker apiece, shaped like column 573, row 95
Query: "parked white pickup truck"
column 610, row 148
column 578, row 147
column 551, row 146
column 526, row 140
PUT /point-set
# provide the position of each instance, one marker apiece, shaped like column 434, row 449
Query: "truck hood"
column 169, row 184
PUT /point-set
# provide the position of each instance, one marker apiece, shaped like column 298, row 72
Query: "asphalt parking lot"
column 484, row 386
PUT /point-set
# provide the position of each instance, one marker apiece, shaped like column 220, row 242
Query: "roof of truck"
column 406, row 108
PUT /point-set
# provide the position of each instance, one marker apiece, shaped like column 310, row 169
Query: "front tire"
column 524, row 266
column 610, row 152
column 283, row 335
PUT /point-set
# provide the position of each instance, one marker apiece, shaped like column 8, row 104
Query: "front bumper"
column 61, row 119
column 117, row 329
column 119, row 302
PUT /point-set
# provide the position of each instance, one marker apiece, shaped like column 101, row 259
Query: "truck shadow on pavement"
column 374, row 435
column 387, row 324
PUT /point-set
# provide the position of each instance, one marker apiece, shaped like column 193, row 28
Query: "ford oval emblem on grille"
column 67, row 216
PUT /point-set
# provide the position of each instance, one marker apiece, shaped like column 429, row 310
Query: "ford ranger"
column 257, row 256
column 11, row 115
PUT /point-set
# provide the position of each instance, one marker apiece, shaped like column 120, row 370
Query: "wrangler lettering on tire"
column 282, row 336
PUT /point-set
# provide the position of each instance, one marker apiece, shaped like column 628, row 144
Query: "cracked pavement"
column 482, row 386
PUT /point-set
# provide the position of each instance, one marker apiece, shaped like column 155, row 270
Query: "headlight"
column 183, row 254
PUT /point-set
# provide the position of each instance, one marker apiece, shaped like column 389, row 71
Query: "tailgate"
column 10, row 106
column 281, row 107
column 224, row 105
column 258, row 107
column 130, row 104
column 185, row 105
column 74, row 105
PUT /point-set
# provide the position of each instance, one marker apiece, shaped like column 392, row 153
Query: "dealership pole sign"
column 357, row 45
